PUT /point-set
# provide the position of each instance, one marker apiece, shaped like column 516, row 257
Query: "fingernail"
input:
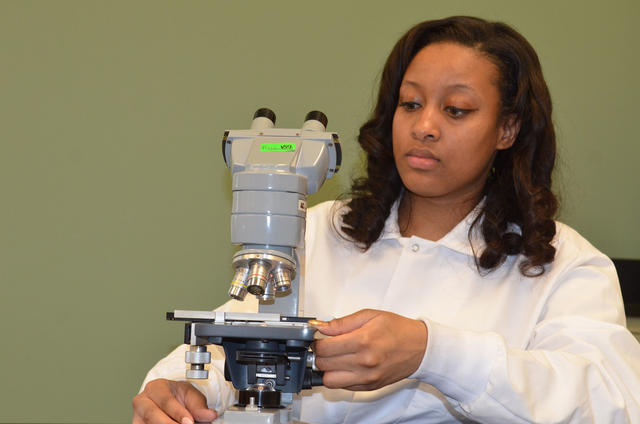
column 317, row 323
column 187, row 420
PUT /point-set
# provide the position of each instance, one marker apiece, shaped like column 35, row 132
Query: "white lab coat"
column 502, row 348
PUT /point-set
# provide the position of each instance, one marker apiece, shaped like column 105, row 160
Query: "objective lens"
column 269, row 294
column 282, row 279
column 238, row 289
column 257, row 281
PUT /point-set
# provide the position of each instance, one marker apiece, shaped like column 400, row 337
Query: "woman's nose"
column 426, row 126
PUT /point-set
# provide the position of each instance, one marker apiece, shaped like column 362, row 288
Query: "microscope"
column 267, row 354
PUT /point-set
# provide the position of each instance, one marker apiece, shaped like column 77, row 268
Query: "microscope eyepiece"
column 317, row 116
column 265, row 112
column 263, row 119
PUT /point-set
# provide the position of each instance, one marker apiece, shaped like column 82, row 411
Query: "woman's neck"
column 431, row 219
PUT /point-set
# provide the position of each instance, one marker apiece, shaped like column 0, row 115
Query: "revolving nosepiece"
column 262, row 273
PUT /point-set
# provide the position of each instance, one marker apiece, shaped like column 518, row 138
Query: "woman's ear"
column 508, row 132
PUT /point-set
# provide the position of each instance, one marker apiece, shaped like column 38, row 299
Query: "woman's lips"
column 422, row 159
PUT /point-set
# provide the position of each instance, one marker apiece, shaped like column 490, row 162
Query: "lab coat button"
column 415, row 247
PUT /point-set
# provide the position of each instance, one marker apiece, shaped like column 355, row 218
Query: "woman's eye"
column 409, row 105
column 456, row 112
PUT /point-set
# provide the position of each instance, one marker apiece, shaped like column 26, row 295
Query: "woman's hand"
column 369, row 349
column 169, row 402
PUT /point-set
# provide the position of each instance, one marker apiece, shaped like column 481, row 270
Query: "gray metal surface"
column 272, row 203
column 264, row 178
column 238, row 415
column 192, row 357
column 221, row 317
column 197, row 374
column 266, row 331
column 278, row 230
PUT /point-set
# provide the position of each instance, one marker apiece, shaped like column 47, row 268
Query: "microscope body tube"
column 268, row 209
column 268, row 220
column 273, row 171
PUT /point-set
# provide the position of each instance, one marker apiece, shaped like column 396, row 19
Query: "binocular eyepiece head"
column 265, row 118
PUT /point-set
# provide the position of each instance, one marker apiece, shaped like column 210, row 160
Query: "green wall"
column 115, row 199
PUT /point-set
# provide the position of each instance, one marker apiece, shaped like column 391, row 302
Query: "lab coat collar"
column 457, row 239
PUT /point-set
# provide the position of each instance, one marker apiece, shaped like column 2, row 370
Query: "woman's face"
column 445, row 129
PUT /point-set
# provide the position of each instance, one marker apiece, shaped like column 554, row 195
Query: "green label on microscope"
column 278, row 147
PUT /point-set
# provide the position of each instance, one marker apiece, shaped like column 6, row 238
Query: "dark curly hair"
column 518, row 190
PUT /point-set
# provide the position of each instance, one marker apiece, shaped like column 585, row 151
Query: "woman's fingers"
column 369, row 349
column 168, row 402
column 147, row 411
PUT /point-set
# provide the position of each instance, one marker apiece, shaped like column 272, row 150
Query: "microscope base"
column 240, row 415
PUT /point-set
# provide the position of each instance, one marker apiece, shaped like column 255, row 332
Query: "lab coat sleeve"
column 581, row 364
column 220, row 393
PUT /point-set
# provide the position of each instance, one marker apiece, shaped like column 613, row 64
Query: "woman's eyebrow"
column 460, row 86
column 411, row 83
column 454, row 86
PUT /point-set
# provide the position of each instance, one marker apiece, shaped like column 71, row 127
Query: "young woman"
column 460, row 297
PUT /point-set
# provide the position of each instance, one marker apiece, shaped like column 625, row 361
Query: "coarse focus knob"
column 192, row 357
column 197, row 356
column 197, row 374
